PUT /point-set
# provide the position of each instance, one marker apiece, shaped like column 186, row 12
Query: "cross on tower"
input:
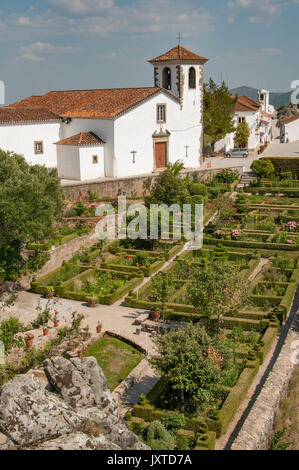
column 179, row 37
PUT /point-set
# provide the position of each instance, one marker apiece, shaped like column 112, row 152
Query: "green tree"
column 263, row 167
column 218, row 114
column 169, row 188
column 242, row 134
column 217, row 289
column 31, row 199
column 194, row 362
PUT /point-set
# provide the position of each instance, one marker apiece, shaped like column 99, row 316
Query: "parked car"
column 237, row 153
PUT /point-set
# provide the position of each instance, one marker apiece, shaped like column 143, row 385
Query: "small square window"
column 161, row 113
column 38, row 148
column 95, row 159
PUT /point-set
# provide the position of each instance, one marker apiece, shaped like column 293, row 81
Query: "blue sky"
column 76, row 44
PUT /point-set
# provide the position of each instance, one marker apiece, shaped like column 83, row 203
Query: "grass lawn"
column 116, row 358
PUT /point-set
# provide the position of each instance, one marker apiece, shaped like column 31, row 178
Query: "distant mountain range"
column 276, row 99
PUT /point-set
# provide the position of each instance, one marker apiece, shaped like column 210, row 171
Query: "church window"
column 161, row 113
column 192, row 77
column 38, row 148
column 167, row 78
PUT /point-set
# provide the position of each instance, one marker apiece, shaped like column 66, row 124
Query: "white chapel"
column 90, row 134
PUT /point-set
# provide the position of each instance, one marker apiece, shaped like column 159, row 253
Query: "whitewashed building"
column 90, row 134
column 289, row 131
column 258, row 115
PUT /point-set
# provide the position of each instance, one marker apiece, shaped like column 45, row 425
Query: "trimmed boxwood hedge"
column 233, row 401
column 48, row 245
column 208, row 444
column 39, row 287
column 267, row 340
column 108, row 299
column 253, row 245
column 146, row 270
column 146, row 408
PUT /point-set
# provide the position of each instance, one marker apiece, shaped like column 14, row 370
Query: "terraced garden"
column 259, row 238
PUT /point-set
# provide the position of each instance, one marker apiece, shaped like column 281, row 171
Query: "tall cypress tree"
column 218, row 114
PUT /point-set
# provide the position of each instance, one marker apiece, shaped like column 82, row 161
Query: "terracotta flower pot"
column 46, row 332
column 99, row 330
column 21, row 276
column 155, row 315
column 91, row 303
column 29, row 343
column 56, row 324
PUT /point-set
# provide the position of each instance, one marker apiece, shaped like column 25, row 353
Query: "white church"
column 90, row 134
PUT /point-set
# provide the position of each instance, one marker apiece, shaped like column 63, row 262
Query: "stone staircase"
column 247, row 178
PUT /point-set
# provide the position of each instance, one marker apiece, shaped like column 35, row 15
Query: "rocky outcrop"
column 78, row 414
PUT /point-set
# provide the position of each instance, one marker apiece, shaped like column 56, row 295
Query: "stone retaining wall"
column 61, row 253
column 66, row 251
column 133, row 186
column 257, row 431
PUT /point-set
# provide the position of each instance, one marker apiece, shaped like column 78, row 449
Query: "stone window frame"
column 161, row 121
column 41, row 143
column 95, row 159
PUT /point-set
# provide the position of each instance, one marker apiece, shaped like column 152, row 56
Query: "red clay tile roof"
column 247, row 104
column 92, row 103
column 291, row 119
column 179, row 53
column 10, row 115
column 83, row 139
column 268, row 115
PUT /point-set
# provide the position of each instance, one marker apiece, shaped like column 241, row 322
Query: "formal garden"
column 214, row 312
column 251, row 243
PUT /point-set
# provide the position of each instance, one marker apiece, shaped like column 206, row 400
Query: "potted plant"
column 99, row 327
column 49, row 292
column 92, row 301
column 55, row 319
column 29, row 340
column 86, row 334
column 46, row 331
column 155, row 314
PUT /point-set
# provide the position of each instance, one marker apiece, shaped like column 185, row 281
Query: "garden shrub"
column 173, row 421
column 197, row 189
column 158, row 438
column 227, row 176
column 263, row 167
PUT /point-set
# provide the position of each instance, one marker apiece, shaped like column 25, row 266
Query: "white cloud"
column 105, row 18
column 271, row 51
column 30, row 52
column 32, row 57
column 262, row 10
column 81, row 7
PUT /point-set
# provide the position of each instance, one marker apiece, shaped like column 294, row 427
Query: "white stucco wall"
column 88, row 169
column 134, row 131
column 20, row 138
column 253, row 120
column 68, row 162
column 291, row 131
column 103, row 128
